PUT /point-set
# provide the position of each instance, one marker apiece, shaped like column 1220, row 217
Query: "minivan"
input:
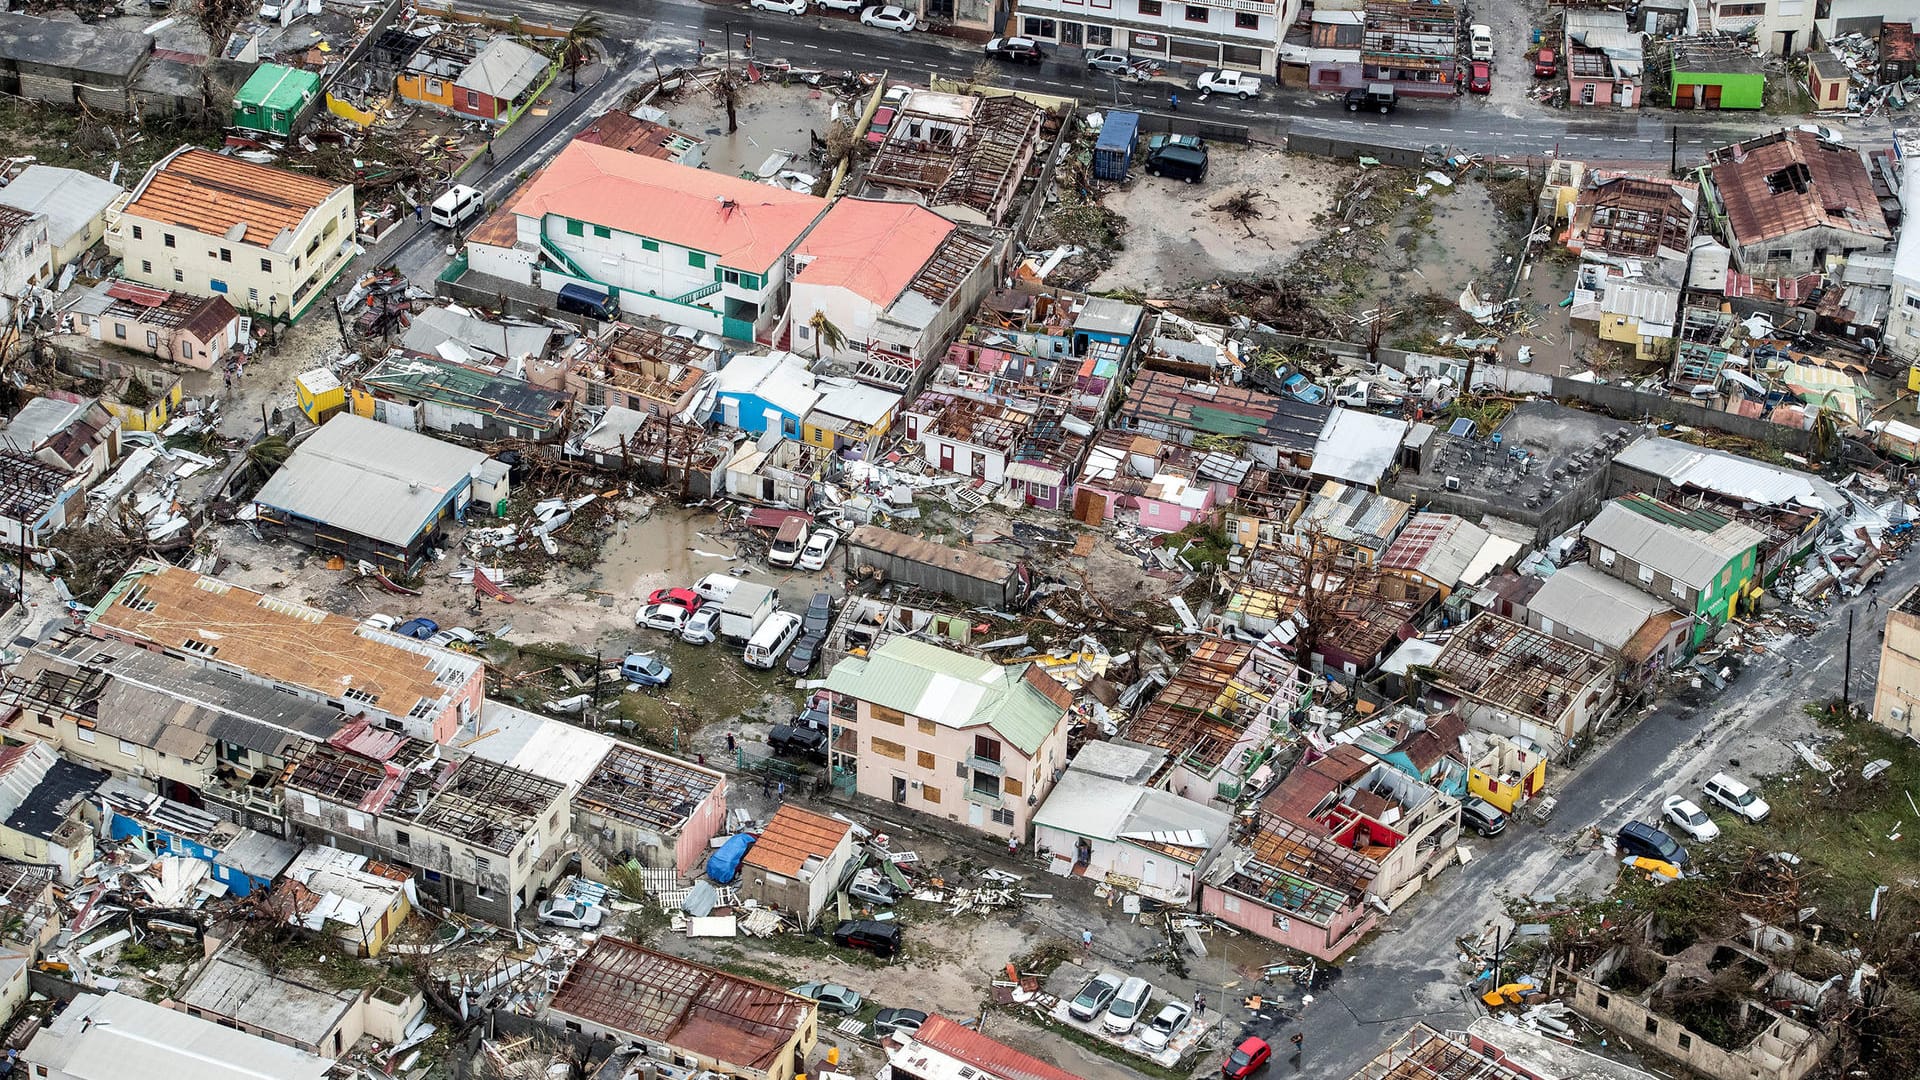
column 1641, row 840
column 772, row 639
column 1185, row 163
column 458, row 206
column 580, row 300
column 1128, row 1005
column 788, row 542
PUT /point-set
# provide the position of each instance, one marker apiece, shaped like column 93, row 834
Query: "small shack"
column 275, row 99
column 1827, row 80
column 957, row 571
column 1713, row 73
column 1113, row 151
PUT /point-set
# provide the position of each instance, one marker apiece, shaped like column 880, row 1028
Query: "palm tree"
column 575, row 47
column 1826, row 430
column 265, row 457
column 825, row 334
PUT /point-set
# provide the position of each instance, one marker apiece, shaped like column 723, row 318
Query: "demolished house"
column 438, row 395
column 961, row 155
column 638, row 804
column 659, row 371
column 657, row 449
column 1515, row 681
column 1404, row 826
column 1217, row 720
column 1103, row 823
column 1790, row 202
column 1293, row 887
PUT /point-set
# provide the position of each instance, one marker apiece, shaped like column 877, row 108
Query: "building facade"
column 1242, row 35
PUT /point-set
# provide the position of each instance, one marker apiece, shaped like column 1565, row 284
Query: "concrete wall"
column 1325, row 942
column 1785, row 1051
column 1898, row 685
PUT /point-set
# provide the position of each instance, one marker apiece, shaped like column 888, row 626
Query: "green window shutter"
column 649, row 245
column 696, row 260
column 602, row 231
column 575, row 228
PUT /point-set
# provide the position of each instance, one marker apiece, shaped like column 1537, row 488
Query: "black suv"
column 804, row 741
column 879, row 938
column 1374, row 97
column 1017, row 50
column 1641, row 840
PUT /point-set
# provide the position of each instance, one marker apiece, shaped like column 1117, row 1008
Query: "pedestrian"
column 1173, row 101
column 489, row 151
column 1086, row 942
column 766, row 785
column 1298, row 1041
column 1013, row 847
column 1199, row 1003
column 732, row 745
column 702, row 757
column 419, row 211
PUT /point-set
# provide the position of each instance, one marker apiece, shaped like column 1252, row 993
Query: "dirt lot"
column 1174, row 236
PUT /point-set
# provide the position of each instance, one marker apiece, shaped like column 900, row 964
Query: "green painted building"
column 1698, row 561
column 1712, row 74
column 274, row 99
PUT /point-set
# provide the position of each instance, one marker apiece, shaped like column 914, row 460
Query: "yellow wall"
column 414, row 88
column 314, row 405
column 1627, row 332
column 345, row 110
column 152, row 418
column 1506, row 796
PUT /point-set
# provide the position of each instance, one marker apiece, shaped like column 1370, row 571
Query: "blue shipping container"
column 1113, row 152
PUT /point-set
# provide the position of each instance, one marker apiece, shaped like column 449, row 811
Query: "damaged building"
column 1515, row 681
column 963, row 156
column 637, row 805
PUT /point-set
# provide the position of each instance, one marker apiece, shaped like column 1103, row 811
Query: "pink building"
column 1143, row 481
column 197, row 331
column 656, row 809
column 948, row 734
column 1293, row 888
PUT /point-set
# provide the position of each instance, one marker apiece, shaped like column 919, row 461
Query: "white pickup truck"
column 1228, row 82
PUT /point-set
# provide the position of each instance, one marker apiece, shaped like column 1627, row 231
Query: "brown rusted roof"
column 791, row 837
column 210, row 193
column 1790, row 181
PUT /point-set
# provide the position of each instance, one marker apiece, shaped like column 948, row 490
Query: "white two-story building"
column 1240, row 34
column 688, row 246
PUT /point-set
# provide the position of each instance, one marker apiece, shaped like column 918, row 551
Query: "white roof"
column 1906, row 255
column 619, row 422
column 533, row 743
column 71, row 199
column 370, row 479
column 116, row 1037
column 1597, row 606
column 1729, row 475
column 780, row 379
column 1102, row 808
column 855, row 401
column 504, row 69
column 1652, row 306
column 1686, row 555
column 1412, row 652
column 1357, row 447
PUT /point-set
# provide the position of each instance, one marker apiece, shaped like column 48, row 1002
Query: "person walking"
column 1199, row 1003
column 1173, row 101
column 1086, row 942
column 1298, row 1041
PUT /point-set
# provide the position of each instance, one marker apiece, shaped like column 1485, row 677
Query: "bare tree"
column 1322, row 582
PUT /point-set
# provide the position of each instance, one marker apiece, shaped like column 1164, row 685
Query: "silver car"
column 1167, row 1023
column 1110, row 63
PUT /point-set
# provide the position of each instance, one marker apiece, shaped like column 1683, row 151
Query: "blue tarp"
column 722, row 865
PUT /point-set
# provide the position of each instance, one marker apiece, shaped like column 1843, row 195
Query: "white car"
column 566, row 911
column 703, row 627
column 669, row 617
column 1689, row 819
column 1169, row 1022
column 842, row 5
column 380, row 622
column 715, row 588
column 819, row 549
column 783, row 7
column 1736, row 797
column 454, row 635
column 889, row 18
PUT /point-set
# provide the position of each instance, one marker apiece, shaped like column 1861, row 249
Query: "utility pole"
column 1673, row 149
column 1846, row 673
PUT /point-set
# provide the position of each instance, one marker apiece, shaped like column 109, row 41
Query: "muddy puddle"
column 1452, row 237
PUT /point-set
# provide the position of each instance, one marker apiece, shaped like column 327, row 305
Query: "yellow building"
column 320, row 395
column 155, row 408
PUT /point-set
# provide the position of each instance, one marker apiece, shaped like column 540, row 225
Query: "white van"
column 458, row 206
column 772, row 639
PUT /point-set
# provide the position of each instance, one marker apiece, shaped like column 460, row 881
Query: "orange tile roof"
column 747, row 225
column 791, row 836
column 211, row 193
column 872, row 249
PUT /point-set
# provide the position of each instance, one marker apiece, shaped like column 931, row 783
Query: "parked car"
column 1093, row 998
column 1170, row 1021
column 871, row 889
column 841, row 5
column 1128, row 1004
column 455, row 637
column 418, row 628
column 832, row 996
column 772, row 639
column 888, row 1021
column 820, row 546
column 1480, row 78
column 799, row 741
column 1252, row 1053
column 1546, row 64
column 1373, row 97
column 702, row 627
column 566, row 911
column 805, row 654
column 788, row 542
column 1178, row 163
column 1480, row 42
column 715, row 588
column 380, row 622
column 1017, row 50
column 1111, row 63
column 1641, row 840
column 1300, row 388
column 1736, row 797
column 783, row 7
column 819, row 614
column 881, row 123
column 686, row 598
column 882, row 939
column 643, row 670
column 669, row 617
column 1483, row 817
column 1689, row 819
column 1237, row 83
column 889, row 18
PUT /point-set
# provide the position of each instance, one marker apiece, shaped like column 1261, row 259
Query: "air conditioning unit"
column 1453, row 483
column 1897, row 714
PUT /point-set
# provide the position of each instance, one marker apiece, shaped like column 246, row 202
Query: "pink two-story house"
column 948, row 734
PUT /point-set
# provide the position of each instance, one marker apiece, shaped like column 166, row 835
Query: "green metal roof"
column 280, row 88
column 1699, row 520
column 951, row 688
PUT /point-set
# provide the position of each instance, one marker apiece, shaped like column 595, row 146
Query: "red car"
column 882, row 120
column 1252, row 1053
column 1480, row 77
column 685, row 598
column 1545, row 64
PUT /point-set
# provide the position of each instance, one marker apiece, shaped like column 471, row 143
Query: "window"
column 1196, row 13
column 1601, row 1000
column 1646, row 575
column 696, row 260
column 226, row 255
column 1729, row 11
column 1014, row 787
column 1653, row 1026
column 1779, row 254
column 128, row 748
column 1099, row 36
column 253, row 297
column 136, row 236
column 401, row 837
column 179, row 277
column 86, row 734
column 931, row 794
column 1038, row 27
column 928, row 727
column 217, row 285
column 1150, row 7
column 924, row 759
column 986, row 784
column 120, row 330
column 1003, row 816
column 1686, row 1041
column 1913, row 301
column 986, row 747
column 1231, row 903
column 153, row 339
column 473, row 99
column 167, row 239
column 1245, row 20
column 1679, row 590
column 602, row 231
column 576, row 228
column 146, row 266
column 266, row 266
column 649, row 245
column 887, row 748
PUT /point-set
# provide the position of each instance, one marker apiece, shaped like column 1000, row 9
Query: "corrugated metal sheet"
column 370, row 479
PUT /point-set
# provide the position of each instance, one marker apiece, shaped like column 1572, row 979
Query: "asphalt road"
column 670, row 31
column 1411, row 972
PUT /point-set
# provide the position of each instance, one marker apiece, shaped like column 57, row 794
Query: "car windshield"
column 1125, row 1008
column 1744, row 797
column 1239, row 1057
